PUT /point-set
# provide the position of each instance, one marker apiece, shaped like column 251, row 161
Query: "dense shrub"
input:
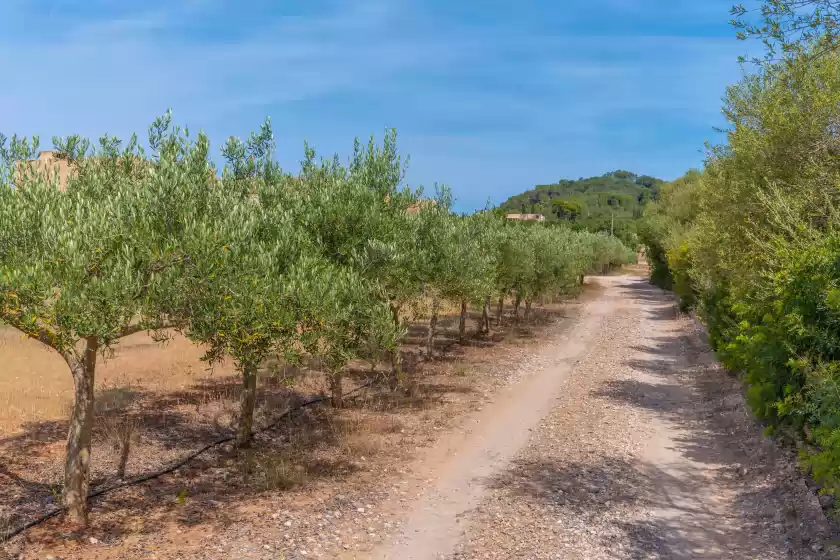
column 754, row 244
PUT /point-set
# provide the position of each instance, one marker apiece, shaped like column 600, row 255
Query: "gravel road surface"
column 627, row 440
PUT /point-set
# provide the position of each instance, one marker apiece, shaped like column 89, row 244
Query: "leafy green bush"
column 754, row 244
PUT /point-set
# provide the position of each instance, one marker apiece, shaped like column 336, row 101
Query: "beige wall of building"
column 526, row 217
column 47, row 162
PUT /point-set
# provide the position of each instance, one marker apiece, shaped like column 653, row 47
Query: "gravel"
column 650, row 453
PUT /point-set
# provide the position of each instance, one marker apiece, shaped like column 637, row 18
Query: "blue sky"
column 489, row 97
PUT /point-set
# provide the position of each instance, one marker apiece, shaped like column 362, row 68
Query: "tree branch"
column 43, row 335
column 136, row 328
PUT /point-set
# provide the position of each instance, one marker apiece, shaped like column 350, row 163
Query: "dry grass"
column 35, row 385
column 34, row 382
column 162, row 401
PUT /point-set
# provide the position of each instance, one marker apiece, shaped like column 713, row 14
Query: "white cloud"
column 100, row 72
column 493, row 103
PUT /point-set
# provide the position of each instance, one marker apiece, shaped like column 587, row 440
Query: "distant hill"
column 590, row 203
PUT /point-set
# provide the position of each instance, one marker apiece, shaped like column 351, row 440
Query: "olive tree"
column 361, row 217
column 486, row 231
column 345, row 316
column 434, row 237
column 543, row 275
column 238, row 297
column 514, row 265
column 467, row 265
column 789, row 29
column 79, row 269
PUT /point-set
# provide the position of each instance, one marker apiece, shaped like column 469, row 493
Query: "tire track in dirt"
column 642, row 447
column 456, row 470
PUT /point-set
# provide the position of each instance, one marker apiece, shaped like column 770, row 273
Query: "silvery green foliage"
column 469, row 264
column 359, row 218
column 82, row 268
column 85, row 262
column 788, row 29
column 251, row 263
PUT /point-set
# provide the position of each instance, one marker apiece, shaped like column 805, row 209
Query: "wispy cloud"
column 491, row 97
column 138, row 63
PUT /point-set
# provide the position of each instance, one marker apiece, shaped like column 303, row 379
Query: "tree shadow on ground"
column 317, row 443
column 679, row 381
column 611, row 488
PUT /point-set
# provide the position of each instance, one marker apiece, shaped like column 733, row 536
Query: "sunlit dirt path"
column 628, row 441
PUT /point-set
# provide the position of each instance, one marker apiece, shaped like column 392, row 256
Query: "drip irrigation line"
column 177, row 464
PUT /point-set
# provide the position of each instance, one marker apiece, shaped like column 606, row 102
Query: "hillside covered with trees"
column 591, row 204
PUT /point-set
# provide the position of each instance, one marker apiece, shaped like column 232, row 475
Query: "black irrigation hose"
column 176, row 465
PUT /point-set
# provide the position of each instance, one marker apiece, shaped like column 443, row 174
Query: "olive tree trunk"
column 430, row 341
column 527, row 309
column 462, row 325
column 500, row 310
column 516, row 304
column 77, row 456
column 485, row 316
column 125, row 451
column 247, row 402
column 396, row 353
column 337, row 389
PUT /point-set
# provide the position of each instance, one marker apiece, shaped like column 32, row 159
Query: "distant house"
column 419, row 205
column 49, row 162
column 526, row 217
column 53, row 163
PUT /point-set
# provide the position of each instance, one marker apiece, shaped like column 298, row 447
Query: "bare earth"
column 607, row 430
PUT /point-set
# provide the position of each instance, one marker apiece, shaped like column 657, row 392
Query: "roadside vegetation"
column 752, row 241
column 252, row 262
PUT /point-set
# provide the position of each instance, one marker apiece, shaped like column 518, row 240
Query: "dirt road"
column 626, row 441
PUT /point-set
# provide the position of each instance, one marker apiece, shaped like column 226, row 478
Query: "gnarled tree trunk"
column 77, row 456
column 485, row 316
column 430, row 340
column 462, row 325
column 247, row 402
column 337, row 389
column 527, row 309
column 516, row 304
column 500, row 310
